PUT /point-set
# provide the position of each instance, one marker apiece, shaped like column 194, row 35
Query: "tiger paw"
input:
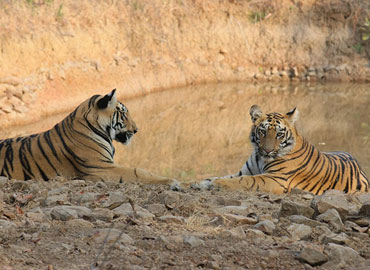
column 176, row 186
column 206, row 184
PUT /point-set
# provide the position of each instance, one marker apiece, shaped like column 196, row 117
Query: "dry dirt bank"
column 60, row 52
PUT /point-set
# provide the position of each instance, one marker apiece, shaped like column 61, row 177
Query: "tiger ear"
column 293, row 115
column 108, row 100
column 255, row 113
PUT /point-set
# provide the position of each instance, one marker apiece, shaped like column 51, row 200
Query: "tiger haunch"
column 81, row 145
column 282, row 160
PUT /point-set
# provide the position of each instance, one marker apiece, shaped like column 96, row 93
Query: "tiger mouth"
column 124, row 137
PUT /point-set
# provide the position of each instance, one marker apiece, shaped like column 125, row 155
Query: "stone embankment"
column 128, row 226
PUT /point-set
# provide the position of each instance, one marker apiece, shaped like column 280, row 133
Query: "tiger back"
column 282, row 160
column 81, row 145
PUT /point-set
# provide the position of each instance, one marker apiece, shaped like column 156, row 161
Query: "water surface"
column 202, row 131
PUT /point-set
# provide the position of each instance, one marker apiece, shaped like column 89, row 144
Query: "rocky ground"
column 87, row 225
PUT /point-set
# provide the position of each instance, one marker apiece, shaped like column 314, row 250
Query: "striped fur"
column 282, row 159
column 81, row 145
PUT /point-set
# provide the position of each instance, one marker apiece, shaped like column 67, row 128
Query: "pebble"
column 300, row 231
column 172, row 219
column 265, row 226
column 331, row 199
column 110, row 235
column 289, row 208
column 193, row 241
column 304, row 220
column 312, row 256
column 332, row 217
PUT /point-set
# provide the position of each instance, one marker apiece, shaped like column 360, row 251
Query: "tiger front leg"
column 264, row 183
column 132, row 175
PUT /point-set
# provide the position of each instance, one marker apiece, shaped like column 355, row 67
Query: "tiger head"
column 273, row 135
column 113, row 118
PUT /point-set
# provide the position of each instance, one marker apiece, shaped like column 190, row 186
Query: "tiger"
column 282, row 160
column 80, row 146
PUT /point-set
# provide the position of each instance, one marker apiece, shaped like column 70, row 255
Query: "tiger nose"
column 136, row 130
column 268, row 150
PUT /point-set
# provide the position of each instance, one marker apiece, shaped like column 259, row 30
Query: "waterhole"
column 201, row 131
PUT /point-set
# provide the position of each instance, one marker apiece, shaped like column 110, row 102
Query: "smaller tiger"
column 81, row 145
column 282, row 160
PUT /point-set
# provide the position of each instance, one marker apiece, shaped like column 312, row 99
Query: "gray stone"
column 5, row 224
column 239, row 219
column 332, row 217
column 300, row 231
column 103, row 214
column 157, row 209
column 265, row 226
column 58, row 191
column 365, row 209
column 238, row 232
column 65, row 212
column 172, row 219
column 304, row 220
column 87, row 197
column 364, row 197
column 339, row 239
column 289, row 208
column 55, row 200
column 3, row 181
column 312, row 256
column 79, row 224
column 169, row 198
column 126, row 210
column 193, row 241
column 331, row 199
column 231, row 209
column 115, row 199
column 110, row 235
column 340, row 256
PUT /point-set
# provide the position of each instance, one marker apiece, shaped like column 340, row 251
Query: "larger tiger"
column 282, row 160
column 81, row 145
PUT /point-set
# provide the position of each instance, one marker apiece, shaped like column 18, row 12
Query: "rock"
column 65, row 212
column 87, row 197
column 20, row 185
column 312, row 256
column 103, row 214
column 5, row 224
column 339, row 239
column 340, row 256
column 265, row 226
column 157, row 209
column 331, row 199
column 238, row 232
column 55, row 200
column 231, row 209
column 79, row 224
column 304, row 220
column 37, row 217
column 239, row 219
column 115, row 199
column 364, row 197
column 193, row 241
column 332, row 217
column 3, row 181
column 365, row 209
column 58, row 191
column 126, row 210
column 300, row 231
column 252, row 233
column 289, row 208
column 169, row 199
column 172, row 219
column 110, row 235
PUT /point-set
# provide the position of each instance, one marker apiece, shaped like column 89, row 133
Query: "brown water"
column 202, row 131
